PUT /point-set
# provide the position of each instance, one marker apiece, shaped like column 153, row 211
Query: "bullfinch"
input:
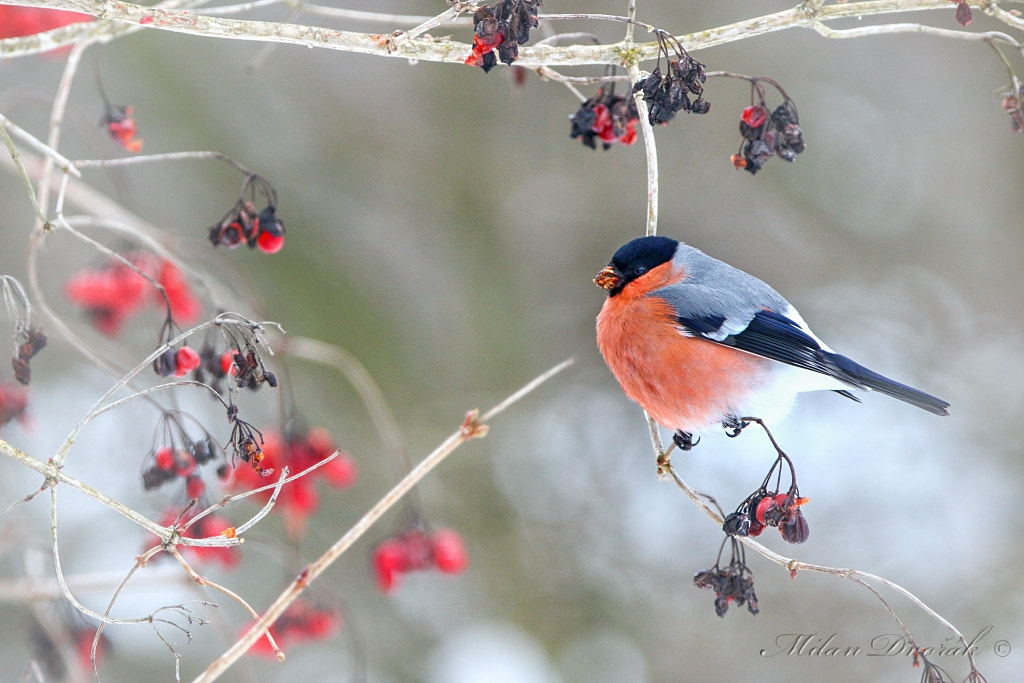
column 697, row 343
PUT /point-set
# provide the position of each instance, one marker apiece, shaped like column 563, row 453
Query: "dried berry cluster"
column 733, row 583
column 1012, row 106
column 31, row 341
column 668, row 94
column 120, row 124
column 504, row 28
column 302, row 622
column 176, row 455
column 299, row 451
column 246, row 442
column 607, row 117
column 262, row 230
column 416, row 550
column 113, row 294
column 765, row 135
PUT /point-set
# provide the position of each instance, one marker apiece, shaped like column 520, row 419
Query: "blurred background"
column 444, row 229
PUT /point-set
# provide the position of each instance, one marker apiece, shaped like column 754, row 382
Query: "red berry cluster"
column 205, row 527
column 113, row 294
column 13, row 403
column 607, row 117
column 170, row 463
column 765, row 135
column 263, row 230
column 416, row 550
column 302, row 622
column 504, row 28
column 298, row 499
column 121, row 126
column 32, row 341
column 666, row 95
column 733, row 583
column 764, row 508
column 768, row 508
column 81, row 637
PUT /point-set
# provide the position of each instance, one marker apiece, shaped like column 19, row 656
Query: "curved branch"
column 121, row 17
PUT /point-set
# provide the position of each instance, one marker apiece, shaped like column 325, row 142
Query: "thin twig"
column 795, row 566
column 472, row 427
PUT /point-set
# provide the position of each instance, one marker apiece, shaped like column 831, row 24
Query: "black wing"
column 773, row 335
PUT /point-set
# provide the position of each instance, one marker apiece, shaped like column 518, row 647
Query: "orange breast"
column 684, row 383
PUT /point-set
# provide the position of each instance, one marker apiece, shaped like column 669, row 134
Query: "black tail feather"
column 868, row 379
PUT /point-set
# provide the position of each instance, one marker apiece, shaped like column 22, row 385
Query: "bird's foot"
column 684, row 440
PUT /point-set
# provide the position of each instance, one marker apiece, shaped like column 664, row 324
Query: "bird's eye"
column 640, row 270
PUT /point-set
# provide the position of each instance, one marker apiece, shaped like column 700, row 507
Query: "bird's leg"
column 684, row 440
column 734, row 425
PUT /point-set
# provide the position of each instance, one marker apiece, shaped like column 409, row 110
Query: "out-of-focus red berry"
column 227, row 362
column 185, row 307
column 164, row 458
column 27, row 21
column 270, row 244
column 388, row 563
column 341, row 472
column 184, row 464
column 13, row 403
column 195, row 487
column 449, row 551
column 301, row 622
column 187, row 360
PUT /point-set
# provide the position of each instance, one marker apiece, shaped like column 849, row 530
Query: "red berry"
column 388, row 564
column 194, row 487
column 417, row 550
column 187, row 360
column 602, row 119
column 794, row 528
column 269, row 243
column 629, row 137
column 227, row 362
column 341, row 472
column 754, row 116
column 184, row 464
column 319, row 441
column 765, row 506
column 185, row 307
column 450, row 554
column 164, row 458
column 27, row 21
column 322, row 624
